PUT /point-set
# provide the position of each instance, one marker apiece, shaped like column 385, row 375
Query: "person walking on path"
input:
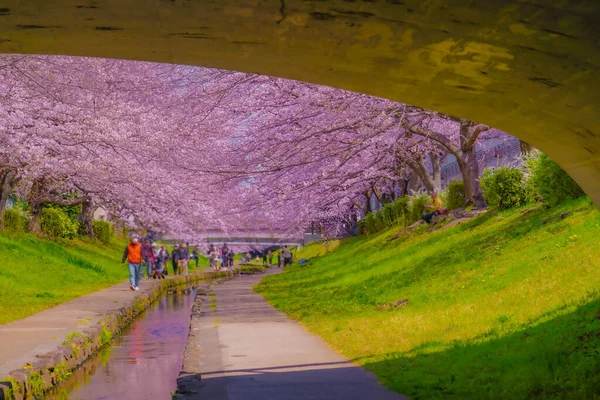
column 225, row 255
column 280, row 259
column 133, row 255
column 195, row 256
column 213, row 256
column 175, row 258
column 287, row 255
column 148, row 258
column 270, row 257
column 183, row 259
column 264, row 258
column 230, row 258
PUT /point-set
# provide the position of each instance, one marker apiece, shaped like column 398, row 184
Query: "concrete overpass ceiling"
column 529, row 68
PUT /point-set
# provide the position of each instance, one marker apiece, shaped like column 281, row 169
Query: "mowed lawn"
column 504, row 306
column 36, row 273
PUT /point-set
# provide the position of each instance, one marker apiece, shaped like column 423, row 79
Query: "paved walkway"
column 248, row 350
column 40, row 333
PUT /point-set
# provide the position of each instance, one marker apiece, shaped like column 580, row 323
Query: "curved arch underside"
column 528, row 67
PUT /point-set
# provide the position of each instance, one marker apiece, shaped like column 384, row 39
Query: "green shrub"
column 400, row 208
column 388, row 215
column 15, row 220
column 503, row 187
column 379, row 222
column 370, row 224
column 416, row 205
column 549, row 181
column 454, row 195
column 56, row 223
column 361, row 227
column 103, row 231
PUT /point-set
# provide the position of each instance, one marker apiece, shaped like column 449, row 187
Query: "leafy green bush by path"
column 37, row 273
column 57, row 224
column 503, row 187
column 15, row 220
column 454, row 195
column 552, row 183
column 505, row 306
column 103, row 231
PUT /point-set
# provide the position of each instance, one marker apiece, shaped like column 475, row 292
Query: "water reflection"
column 143, row 363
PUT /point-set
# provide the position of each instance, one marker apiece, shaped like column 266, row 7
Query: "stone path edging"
column 50, row 368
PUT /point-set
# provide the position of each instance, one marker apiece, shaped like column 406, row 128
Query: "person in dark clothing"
column 175, row 258
column 147, row 258
column 225, row 255
column 195, row 256
column 264, row 258
column 230, row 258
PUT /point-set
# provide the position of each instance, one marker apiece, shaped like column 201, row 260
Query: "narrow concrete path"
column 246, row 349
column 40, row 333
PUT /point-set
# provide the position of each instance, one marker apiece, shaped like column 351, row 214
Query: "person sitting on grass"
column 434, row 209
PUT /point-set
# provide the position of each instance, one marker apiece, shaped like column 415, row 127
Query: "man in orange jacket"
column 133, row 255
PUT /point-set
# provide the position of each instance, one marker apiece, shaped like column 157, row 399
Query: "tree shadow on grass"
column 555, row 359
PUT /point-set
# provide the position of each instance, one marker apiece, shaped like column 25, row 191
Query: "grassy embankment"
column 504, row 306
column 36, row 273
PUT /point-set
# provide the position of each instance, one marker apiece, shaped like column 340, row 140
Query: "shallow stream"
column 143, row 362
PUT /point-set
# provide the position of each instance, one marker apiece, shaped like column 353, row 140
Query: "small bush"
column 416, row 205
column 454, row 195
column 103, row 231
column 57, row 224
column 379, row 222
column 15, row 220
column 550, row 181
column 503, row 187
column 370, row 224
column 400, row 208
column 388, row 215
column 361, row 227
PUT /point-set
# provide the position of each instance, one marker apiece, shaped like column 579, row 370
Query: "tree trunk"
column 413, row 183
column 469, row 170
column 87, row 216
column 436, row 176
column 35, row 206
column 467, row 162
column 8, row 178
column 35, row 220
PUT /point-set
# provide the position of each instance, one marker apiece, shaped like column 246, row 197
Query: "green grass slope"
column 36, row 274
column 504, row 306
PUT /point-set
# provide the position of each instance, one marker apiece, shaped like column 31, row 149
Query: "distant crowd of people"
column 220, row 258
column 147, row 257
column 144, row 257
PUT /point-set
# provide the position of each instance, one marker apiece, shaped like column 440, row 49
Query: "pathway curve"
column 246, row 349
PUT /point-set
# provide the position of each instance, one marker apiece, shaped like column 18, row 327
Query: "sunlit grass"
column 36, row 274
column 502, row 306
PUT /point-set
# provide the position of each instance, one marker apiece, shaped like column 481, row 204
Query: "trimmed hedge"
column 552, row 183
column 57, row 224
column 103, row 231
column 503, row 187
column 454, row 195
column 15, row 220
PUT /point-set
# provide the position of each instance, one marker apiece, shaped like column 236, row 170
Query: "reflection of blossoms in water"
column 143, row 363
